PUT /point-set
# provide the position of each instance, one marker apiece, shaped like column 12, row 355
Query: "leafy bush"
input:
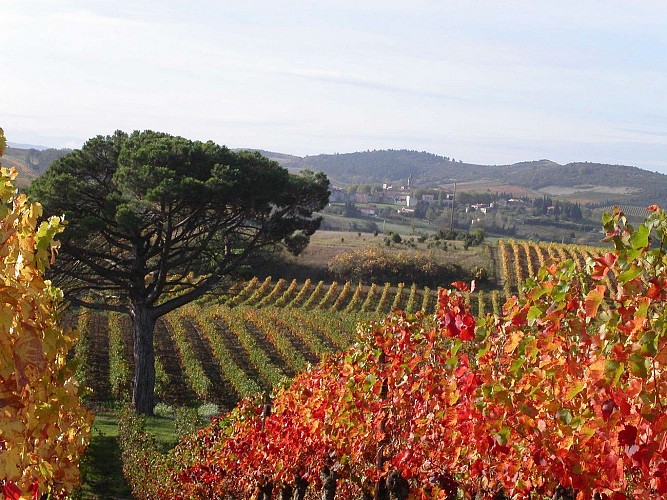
column 144, row 467
column 560, row 396
column 186, row 420
column 43, row 427
column 375, row 266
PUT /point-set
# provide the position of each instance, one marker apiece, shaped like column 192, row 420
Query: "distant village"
column 499, row 213
column 406, row 198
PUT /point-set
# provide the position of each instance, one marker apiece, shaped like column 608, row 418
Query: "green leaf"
column 503, row 436
column 639, row 238
column 576, row 389
column 613, row 371
column 533, row 313
column 517, row 364
column 452, row 362
column 639, row 365
column 629, row 274
column 564, row 415
column 649, row 344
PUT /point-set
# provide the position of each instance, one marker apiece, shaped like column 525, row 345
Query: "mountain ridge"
column 596, row 183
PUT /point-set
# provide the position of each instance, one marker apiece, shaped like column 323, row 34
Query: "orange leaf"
column 661, row 357
column 593, row 300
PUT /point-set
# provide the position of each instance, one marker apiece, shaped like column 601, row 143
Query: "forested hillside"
column 611, row 183
column 392, row 165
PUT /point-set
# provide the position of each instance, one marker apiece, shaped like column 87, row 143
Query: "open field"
column 325, row 245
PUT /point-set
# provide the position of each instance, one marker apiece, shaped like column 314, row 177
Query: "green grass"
column 101, row 467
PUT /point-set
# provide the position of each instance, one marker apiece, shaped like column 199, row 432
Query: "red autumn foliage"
column 565, row 389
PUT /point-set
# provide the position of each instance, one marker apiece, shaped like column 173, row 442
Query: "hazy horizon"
column 487, row 83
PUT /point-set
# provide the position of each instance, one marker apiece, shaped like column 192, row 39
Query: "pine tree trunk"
column 143, row 393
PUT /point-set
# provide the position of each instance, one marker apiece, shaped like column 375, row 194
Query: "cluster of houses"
column 402, row 197
column 405, row 200
column 486, row 208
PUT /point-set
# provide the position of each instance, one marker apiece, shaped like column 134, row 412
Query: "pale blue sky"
column 485, row 82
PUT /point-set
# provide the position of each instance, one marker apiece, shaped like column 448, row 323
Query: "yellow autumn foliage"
column 43, row 428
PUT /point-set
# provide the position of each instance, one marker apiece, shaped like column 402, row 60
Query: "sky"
column 484, row 82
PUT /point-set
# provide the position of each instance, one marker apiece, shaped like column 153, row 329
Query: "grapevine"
column 425, row 299
column 120, row 377
column 301, row 295
column 531, row 265
column 398, row 298
column 505, row 267
column 412, row 299
column 356, row 298
column 43, row 427
column 244, row 293
column 382, row 303
column 515, row 405
column 518, row 268
column 314, row 296
column 242, row 384
column 287, row 294
column 338, row 303
column 495, row 302
column 234, row 321
column 368, row 302
column 481, row 304
column 259, row 292
column 293, row 358
column 273, row 295
column 328, row 296
column 199, row 381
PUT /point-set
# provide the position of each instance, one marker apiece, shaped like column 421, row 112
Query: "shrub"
column 43, row 427
column 375, row 265
column 562, row 395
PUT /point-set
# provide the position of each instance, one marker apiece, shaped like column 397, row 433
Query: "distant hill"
column 581, row 181
column 19, row 145
column 390, row 166
column 596, row 183
column 31, row 162
column 285, row 160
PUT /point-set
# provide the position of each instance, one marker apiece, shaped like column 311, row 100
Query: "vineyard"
column 210, row 354
column 265, row 331
column 521, row 259
column 261, row 335
column 341, row 389
column 560, row 396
